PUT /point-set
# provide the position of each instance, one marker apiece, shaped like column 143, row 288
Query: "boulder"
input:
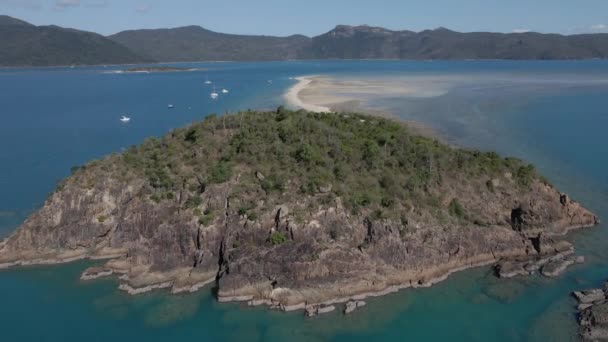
column 510, row 269
column 315, row 310
column 353, row 305
column 556, row 267
column 589, row 296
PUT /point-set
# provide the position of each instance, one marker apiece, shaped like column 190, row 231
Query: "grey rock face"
column 593, row 314
column 353, row 305
column 325, row 254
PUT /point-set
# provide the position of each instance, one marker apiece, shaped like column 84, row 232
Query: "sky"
column 314, row 17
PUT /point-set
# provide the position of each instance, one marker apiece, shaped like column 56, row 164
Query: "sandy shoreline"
column 317, row 93
column 294, row 99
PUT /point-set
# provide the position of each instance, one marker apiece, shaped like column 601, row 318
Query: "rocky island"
column 298, row 210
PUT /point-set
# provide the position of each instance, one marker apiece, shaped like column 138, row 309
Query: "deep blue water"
column 550, row 113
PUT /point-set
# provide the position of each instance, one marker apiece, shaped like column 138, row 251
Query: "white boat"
column 214, row 95
column 224, row 91
column 207, row 81
column 125, row 119
column 170, row 106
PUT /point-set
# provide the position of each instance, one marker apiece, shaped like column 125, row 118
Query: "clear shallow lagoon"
column 53, row 119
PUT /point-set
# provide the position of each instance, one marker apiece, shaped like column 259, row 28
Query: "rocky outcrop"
column 557, row 266
column 593, row 313
column 315, row 310
column 300, row 249
column 552, row 258
column 95, row 273
column 353, row 305
column 156, row 246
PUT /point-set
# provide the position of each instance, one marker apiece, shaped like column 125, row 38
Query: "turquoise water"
column 550, row 113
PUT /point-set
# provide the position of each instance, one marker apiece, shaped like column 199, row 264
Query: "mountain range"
column 23, row 44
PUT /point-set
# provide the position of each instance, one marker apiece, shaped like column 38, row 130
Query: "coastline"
column 425, row 279
column 184, row 281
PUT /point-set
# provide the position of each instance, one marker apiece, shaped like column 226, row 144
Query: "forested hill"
column 358, row 42
column 194, row 43
column 23, row 44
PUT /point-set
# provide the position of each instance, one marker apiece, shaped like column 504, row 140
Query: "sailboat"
column 214, row 95
column 125, row 119
column 224, row 91
column 207, row 81
column 170, row 106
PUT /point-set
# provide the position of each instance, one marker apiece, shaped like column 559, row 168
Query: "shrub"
column 193, row 202
column 206, row 219
column 274, row 182
column 387, row 202
column 192, row 136
column 101, row 219
column 222, row 172
column 308, row 154
column 456, row 209
column 525, row 175
column 370, row 153
column 156, row 198
column 277, row 238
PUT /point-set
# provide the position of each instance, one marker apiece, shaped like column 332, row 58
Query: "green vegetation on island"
column 372, row 164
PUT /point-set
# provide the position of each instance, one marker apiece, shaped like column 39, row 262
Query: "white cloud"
column 599, row 27
column 521, row 30
column 143, row 8
column 67, row 3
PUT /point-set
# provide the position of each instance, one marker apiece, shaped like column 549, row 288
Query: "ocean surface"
column 553, row 114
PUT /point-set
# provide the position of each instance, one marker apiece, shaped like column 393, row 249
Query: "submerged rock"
column 353, row 305
column 555, row 258
column 96, row 272
column 589, row 296
column 556, row 267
